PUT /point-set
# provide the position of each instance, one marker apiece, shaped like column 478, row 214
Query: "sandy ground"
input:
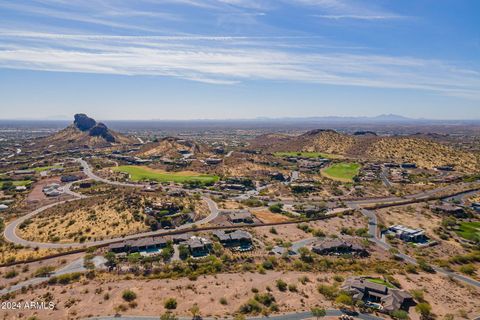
column 37, row 195
column 206, row 292
column 444, row 295
column 27, row 270
column 420, row 216
column 93, row 218
column 87, row 298
column 266, row 216
column 292, row 233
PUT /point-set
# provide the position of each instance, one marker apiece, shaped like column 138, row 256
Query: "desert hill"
column 421, row 150
column 169, row 147
column 85, row 132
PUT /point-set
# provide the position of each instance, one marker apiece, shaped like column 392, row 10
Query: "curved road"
column 10, row 232
column 380, row 242
column 11, row 235
column 291, row 316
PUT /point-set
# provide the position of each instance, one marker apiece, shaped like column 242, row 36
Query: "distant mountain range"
column 383, row 118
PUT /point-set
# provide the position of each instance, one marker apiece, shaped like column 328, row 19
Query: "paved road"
column 384, row 177
column 74, row 266
column 460, row 198
column 88, row 172
column 10, row 232
column 290, row 316
column 380, row 241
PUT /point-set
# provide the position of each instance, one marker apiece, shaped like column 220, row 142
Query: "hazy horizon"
column 333, row 118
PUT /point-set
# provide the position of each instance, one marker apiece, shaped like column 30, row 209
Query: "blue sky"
column 196, row 59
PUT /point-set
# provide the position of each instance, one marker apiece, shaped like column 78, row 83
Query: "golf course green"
column 344, row 171
column 469, row 230
column 142, row 173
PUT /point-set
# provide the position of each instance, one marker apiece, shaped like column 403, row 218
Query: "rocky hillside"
column 85, row 132
column 169, row 147
column 423, row 151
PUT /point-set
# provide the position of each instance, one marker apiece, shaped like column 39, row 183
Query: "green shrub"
column 65, row 278
column 10, row 274
column 424, row 309
column 329, row 292
column 276, row 208
column 170, row 303
column 281, row 285
column 129, row 295
column 251, row 306
column 399, row 315
column 265, row 298
column 468, row 269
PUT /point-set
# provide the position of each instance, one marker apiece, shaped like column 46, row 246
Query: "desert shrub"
column 276, row 208
column 410, row 268
column 303, row 280
column 10, row 274
column 43, row 271
column 251, row 306
column 184, row 252
column 424, row 309
column 399, row 315
column 281, row 285
column 344, row 299
column 129, row 295
column 168, row 316
column 468, row 269
column 170, row 303
column 265, row 298
column 65, row 278
column 329, row 292
column 425, row 266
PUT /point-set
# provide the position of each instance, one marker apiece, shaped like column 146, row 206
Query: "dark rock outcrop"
column 317, row 131
column 83, row 122
column 364, row 133
column 101, row 130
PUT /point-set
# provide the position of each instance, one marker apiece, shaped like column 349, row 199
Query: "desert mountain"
column 169, row 147
column 424, row 152
column 85, row 132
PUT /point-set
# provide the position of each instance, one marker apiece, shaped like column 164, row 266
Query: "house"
column 199, row 247
column 143, row 244
column 231, row 186
column 408, row 165
column 391, row 165
column 213, row 161
column 408, row 234
column 339, row 247
column 24, row 172
column 52, row 190
column 69, row 178
column 240, row 217
column 444, row 168
column 450, row 209
column 476, row 206
column 239, row 239
column 374, row 294
column 277, row 176
column 179, row 238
